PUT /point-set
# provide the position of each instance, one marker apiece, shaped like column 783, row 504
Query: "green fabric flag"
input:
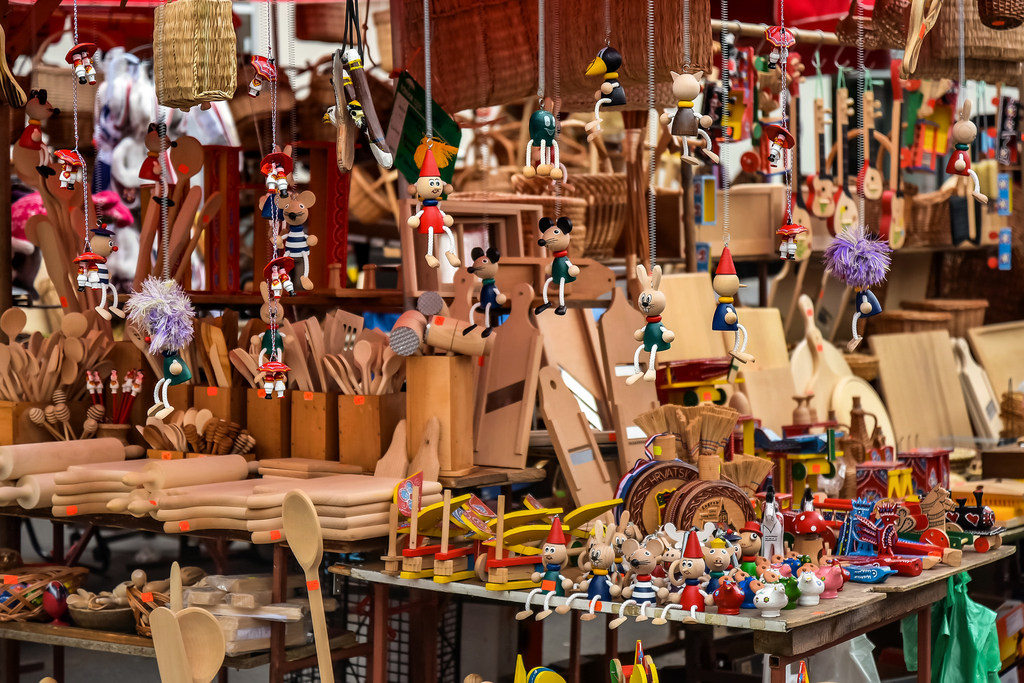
column 965, row 644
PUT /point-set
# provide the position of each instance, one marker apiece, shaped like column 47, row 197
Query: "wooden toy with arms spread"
column 653, row 336
column 555, row 238
column 685, row 122
column 430, row 218
column 542, row 136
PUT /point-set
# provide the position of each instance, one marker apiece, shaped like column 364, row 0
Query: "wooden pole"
column 689, row 224
column 6, row 295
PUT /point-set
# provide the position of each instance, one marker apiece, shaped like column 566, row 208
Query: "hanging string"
column 607, row 24
column 686, row 35
column 723, row 167
column 557, row 104
column 163, row 118
column 861, row 117
column 541, row 85
column 293, row 72
column 652, row 133
column 427, row 75
column 783, row 100
column 273, row 83
column 81, row 159
column 960, row 26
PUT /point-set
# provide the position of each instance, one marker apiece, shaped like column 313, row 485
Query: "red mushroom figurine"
column 274, row 379
column 71, row 164
column 80, row 59
column 265, row 71
column 808, row 528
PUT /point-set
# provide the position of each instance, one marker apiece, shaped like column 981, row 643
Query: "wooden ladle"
column 204, row 643
column 302, row 531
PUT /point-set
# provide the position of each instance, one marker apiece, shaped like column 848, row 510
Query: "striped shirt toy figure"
column 296, row 242
column 101, row 243
column 639, row 588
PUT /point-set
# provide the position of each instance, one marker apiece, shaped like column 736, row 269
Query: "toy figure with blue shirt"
column 653, row 336
column 485, row 267
column 554, row 557
column 726, row 284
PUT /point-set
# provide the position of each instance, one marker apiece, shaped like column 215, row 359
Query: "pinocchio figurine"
column 264, row 71
column 789, row 233
column 542, row 136
column 277, row 166
column 80, row 59
column 686, row 123
column 726, row 284
column 430, row 218
column 963, row 134
column 555, row 238
column 554, row 556
column 611, row 94
column 71, row 164
column 101, row 243
column 274, row 378
column 653, row 336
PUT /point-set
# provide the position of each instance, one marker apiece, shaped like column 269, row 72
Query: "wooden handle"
column 316, row 611
column 18, row 460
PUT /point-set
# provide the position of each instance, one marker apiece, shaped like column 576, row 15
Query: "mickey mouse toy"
column 485, row 267
column 555, row 237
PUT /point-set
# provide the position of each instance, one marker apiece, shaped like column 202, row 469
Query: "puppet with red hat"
column 430, row 218
column 688, row 572
column 750, row 547
column 554, row 556
column 726, row 284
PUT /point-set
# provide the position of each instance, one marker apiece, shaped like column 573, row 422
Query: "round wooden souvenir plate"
column 642, row 498
column 709, row 501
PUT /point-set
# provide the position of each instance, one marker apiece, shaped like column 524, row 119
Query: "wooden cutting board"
column 691, row 306
column 377, row 531
column 770, row 393
column 918, row 377
column 233, row 493
column 767, row 338
column 1000, row 351
column 202, row 523
column 37, row 458
column 309, row 465
column 842, row 403
column 340, row 490
column 571, row 342
column 626, row 401
column 90, row 487
column 299, row 474
column 982, row 401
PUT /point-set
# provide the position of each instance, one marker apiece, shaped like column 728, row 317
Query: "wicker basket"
column 142, row 605
column 252, row 114
column 894, row 322
column 371, row 200
column 24, row 589
column 929, row 218
column 885, row 30
column 323, row 21
column 573, row 207
column 194, row 52
column 311, row 109
column 966, row 313
column 863, row 365
column 981, row 44
column 1001, row 15
column 59, row 83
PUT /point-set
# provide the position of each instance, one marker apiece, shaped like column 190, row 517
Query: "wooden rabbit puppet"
column 598, row 562
column 964, row 132
column 685, row 122
column 653, row 336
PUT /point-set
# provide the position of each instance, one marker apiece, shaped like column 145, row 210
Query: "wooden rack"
column 745, row 30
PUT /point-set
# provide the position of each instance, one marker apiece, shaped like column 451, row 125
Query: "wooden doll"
column 542, row 135
column 156, row 137
column 555, row 238
column 861, row 262
column 102, row 244
column 771, row 526
column 598, row 567
column 276, row 273
column 71, row 165
column 685, row 122
column 263, row 70
column 275, row 378
column 639, row 587
column 553, row 557
column 430, row 218
column 726, row 284
column 611, row 94
column 653, row 336
column 781, row 39
column 689, row 572
column 779, row 139
column 963, row 134
column 296, row 242
column 750, row 547
column 718, row 556
column 80, row 59
column 38, row 110
column 789, row 233
column 164, row 315
column 485, row 267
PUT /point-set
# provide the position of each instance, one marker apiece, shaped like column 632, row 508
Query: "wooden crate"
column 442, row 386
column 314, row 425
column 365, row 427
column 226, row 403
column 270, row 423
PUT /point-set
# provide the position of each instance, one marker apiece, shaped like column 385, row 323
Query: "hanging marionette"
column 71, row 165
column 276, row 273
column 555, row 238
column 80, row 59
column 611, row 94
column 726, row 285
column 780, row 139
column 485, row 267
column 265, row 71
column 653, row 336
column 296, row 242
column 97, row 276
column 430, row 218
column 963, row 134
column 542, row 136
column 861, row 262
column 277, row 166
column 789, row 232
column 164, row 314
column 685, row 122
column 275, row 377
column 38, row 110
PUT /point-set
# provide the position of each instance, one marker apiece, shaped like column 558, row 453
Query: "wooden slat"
column 1000, row 350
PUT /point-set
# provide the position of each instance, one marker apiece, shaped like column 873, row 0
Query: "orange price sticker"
column 480, row 361
column 184, row 526
column 152, row 502
column 146, row 597
column 211, row 391
column 72, row 510
column 262, row 393
column 439, row 319
column 63, row 302
column 10, row 579
column 313, row 585
column 275, row 535
column 358, row 400
column 307, row 395
column 165, row 455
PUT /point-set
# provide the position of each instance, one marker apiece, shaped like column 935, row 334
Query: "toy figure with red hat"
column 554, row 556
column 750, row 547
column 274, row 377
column 101, row 243
column 71, row 165
column 430, row 218
column 726, row 284
column 277, row 166
column 80, row 59
column 688, row 572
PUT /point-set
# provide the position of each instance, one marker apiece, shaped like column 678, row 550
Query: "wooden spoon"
column 363, row 353
column 392, row 361
column 204, row 643
column 13, row 394
column 302, row 530
column 171, row 658
column 176, row 603
column 12, row 322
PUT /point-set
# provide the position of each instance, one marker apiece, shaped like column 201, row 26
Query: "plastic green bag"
column 965, row 644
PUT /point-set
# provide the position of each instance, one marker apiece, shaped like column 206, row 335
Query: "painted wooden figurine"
column 276, row 273
column 555, row 238
column 811, row 586
column 779, row 139
column 653, row 336
column 296, row 242
column 639, row 587
column 38, row 110
column 688, row 572
column 771, row 599
column 156, row 137
column 164, row 314
column 542, row 136
column 781, row 39
column 771, row 526
column 727, row 597
column 277, row 166
column 861, row 262
column 101, row 243
column 642, row 670
column 787, row 247
column 554, row 556
column 963, row 134
column 750, row 547
column 485, row 267
column 611, row 94
column 264, row 71
column 275, row 378
column 430, row 218
column 71, row 165
column 685, row 122
column 598, row 567
column 726, row 284
column 80, row 59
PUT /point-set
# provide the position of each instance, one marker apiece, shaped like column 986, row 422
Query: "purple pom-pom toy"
column 860, row 262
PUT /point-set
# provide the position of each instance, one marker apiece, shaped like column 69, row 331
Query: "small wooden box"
column 442, row 386
column 15, row 427
column 365, row 427
column 314, row 425
column 270, row 423
column 226, row 403
column 180, row 396
column 929, row 467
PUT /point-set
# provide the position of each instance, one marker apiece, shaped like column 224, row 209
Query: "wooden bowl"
column 119, row 619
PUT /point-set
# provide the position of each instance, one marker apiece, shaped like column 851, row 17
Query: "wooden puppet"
column 156, row 137
column 554, row 556
column 963, row 134
column 485, row 267
column 642, row 670
column 542, row 135
column 861, row 262
column 726, row 284
column 276, row 273
column 789, row 233
column 164, row 315
column 296, row 242
column 80, row 59
column 271, row 340
column 779, row 139
column 639, row 588
column 38, row 110
column 430, row 218
column 555, row 238
column 685, row 122
column 275, row 378
column 264, row 70
column 71, row 165
column 598, row 563
column 771, row 526
column 97, row 276
column 781, row 39
column 688, row 572
column 611, row 94
column 276, row 166
column 750, row 547
column 368, row 121
column 653, row 336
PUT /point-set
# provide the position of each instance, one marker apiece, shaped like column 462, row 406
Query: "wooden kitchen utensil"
column 204, row 643
column 161, row 474
column 169, row 644
column 175, row 604
column 20, row 459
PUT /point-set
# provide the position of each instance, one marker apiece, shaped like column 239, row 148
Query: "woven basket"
column 59, row 83
column 863, row 365
column 311, row 109
column 966, row 313
column 989, row 55
column 574, row 208
column 142, row 605
column 1001, row 15
column 894, row 322
column 193, row 52
column 372, row 199
column 24, row 587
column 929, row 224
column 323, row 21
column 382, row 21
column 885, row 30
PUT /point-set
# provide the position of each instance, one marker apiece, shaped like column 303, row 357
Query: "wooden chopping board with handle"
column 1000, row 350
column 100, row 471
column 982, row 401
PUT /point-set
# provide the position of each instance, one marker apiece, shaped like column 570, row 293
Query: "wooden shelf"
column 363, row 299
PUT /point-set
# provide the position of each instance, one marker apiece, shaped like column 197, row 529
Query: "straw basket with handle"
column 193, row 52
column 989, row 55
column 24, row 589
column 143, row 604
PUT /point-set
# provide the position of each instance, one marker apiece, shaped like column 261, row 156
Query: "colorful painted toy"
column 71, row 165
column 653, row 336
column 543, row 128
column 430, row 218
column 80, row 59
column 641, row 671
column 611, row 94
column 726, row 284
column 770, row 599
column 639, row 588
column 685, row 122
column 555, row 238
column 781, row 39
column 552, row 581
column 485, row 267
column 963, row 134
column 264, row 71
column 296, row 242
column 97, row 276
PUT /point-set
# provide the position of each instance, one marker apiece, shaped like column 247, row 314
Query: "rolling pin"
column 86, row 498
column 161, row 474
column 450, row 334
column 91, row 487
column 37, row 458
column 32, row 491
column 342, row 490
column 99, row 471
column 199, row 523
column 231, row 493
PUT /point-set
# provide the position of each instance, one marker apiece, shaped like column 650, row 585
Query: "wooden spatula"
column 171, row 658
column 302, row 530
column 176, row 603
column 204, row 643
